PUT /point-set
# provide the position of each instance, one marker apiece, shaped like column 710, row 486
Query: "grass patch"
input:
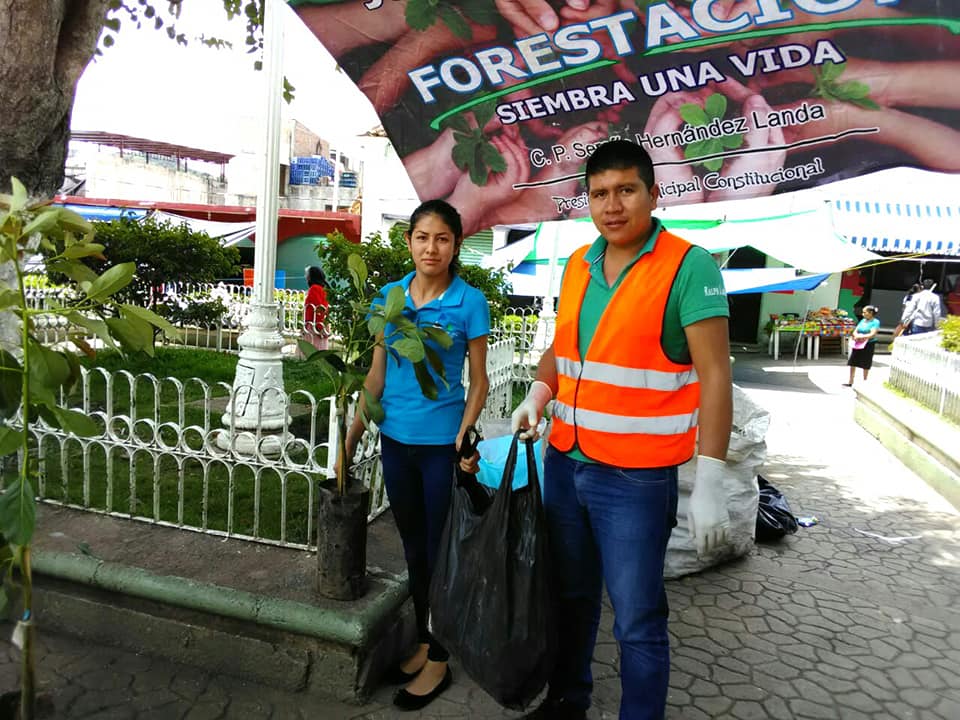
column 215, row 495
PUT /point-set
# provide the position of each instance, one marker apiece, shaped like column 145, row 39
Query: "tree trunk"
column 45, row 45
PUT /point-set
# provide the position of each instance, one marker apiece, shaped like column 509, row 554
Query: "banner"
column 496, row 104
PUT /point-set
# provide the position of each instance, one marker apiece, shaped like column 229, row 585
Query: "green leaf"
column 425, row 380
column 74, row 222
column 18, row 512
column 830, row 71
column 9, row 299
column 439, row 336
column 695, row 149
column 854, row 89
column 483, row 113
column 420, row 14
column 456, row 22
column 76, row 271
column 94, row 326
column 358, row 271
column 43, row 223
column 75, row 422
column 306, row 349
column 712, row 146
column 478, row 174
column 10, row 440
column 48, row 368
column 11, row 384
column 436, row 362
column 373, row 410
column 113, row 280
column 463, row 154
column 82, row 250
column 731, row 142
column 693, row 114
column 396, row 301
column 866, row 103
column 18, row 201
column 457, row 122
column 376, row 324
column 482, row 13
column 410, row 348
column 152, row 318
column 492, row 158
column 713, row 165
column 716, row 105
column 133, row 334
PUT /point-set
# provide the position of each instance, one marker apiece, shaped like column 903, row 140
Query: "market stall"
column 822, row 323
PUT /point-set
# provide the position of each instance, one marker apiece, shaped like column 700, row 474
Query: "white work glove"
column 707, row 516
column 528, row 413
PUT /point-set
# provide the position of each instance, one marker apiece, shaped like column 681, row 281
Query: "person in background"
column 903, row 326
column 419, row 437
column 925, row 310
column 864, row 342
column 640, row 362
column 315, row 309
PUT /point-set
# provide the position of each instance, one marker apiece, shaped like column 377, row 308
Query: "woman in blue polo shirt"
column 418, row 436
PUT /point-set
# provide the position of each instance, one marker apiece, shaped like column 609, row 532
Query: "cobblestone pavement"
column 855, row 618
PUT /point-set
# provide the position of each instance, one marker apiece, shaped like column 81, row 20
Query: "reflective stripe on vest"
column 626, row 403
column 626, row 425
column 626, row 377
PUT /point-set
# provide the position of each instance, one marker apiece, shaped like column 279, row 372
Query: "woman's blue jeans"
column 419, row 480
column 611, row 524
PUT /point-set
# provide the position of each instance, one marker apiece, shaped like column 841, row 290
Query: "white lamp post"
column 258, row 401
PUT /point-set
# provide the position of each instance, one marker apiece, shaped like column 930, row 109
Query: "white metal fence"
column 164, row 456
column 924, row 371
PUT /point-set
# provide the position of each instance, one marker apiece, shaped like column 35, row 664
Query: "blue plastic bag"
column 493, row 460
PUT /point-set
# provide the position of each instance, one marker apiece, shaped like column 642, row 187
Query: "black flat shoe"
column 409, row 702
column 396, row 676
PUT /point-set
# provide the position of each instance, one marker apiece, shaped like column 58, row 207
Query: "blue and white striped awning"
column 899, row 227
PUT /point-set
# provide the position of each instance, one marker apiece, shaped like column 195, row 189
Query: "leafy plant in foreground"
column 33, row 376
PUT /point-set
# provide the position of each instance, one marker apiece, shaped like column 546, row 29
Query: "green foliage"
column 33, row 376
column 827, row 85
column 494, row 284
column 194, row 309
column 473, row 151
column 714, row 108
column 362, row 327
column 950, row 332
column 160, row 253
column 421, row 14
column 389, row 260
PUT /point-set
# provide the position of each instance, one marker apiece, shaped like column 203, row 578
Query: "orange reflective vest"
column 626, row 404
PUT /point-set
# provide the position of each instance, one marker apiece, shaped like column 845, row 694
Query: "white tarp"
column 228, row 232
column 803, row 240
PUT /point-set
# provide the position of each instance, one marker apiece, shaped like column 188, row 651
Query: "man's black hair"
column 927, row 283
column 620, row 155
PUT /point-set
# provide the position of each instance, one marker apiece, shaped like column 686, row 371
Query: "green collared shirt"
column 697, row 294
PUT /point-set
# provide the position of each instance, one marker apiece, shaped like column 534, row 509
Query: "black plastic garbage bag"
column 774, row 517
column 490, row 599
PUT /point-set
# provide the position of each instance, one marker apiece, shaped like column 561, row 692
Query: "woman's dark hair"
column 315, row 276
column 448, row 213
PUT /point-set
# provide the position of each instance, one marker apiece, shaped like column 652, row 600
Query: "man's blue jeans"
column 611, row 524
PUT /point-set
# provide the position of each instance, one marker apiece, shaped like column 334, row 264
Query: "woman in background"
column 864, row 341
column 315, row 309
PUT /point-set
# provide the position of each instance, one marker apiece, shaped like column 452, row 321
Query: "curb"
column 354, row 629
column 916, row 436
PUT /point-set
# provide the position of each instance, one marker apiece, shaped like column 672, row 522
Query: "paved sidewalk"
column 855, row 618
